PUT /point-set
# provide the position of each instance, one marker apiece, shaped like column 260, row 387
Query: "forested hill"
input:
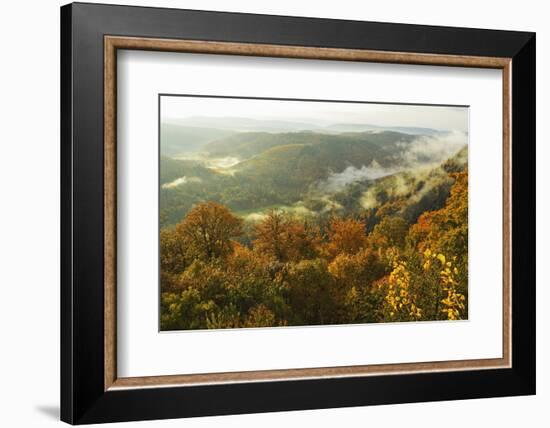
column 246, row 145
column 310, row 173
column 193, row 134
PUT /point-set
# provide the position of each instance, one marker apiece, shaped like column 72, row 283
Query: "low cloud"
column 212, row 163
column 222, row 163
column 255, row 217
column 337, row 181
column 180, row 181
column 423, row 151
column 432, row 149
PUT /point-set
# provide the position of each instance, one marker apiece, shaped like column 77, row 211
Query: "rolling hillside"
column 246, row 145
column 311, row 173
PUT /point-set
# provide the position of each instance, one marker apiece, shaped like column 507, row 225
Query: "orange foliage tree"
column 285, row 238
column 207, row 230
column 345, row 235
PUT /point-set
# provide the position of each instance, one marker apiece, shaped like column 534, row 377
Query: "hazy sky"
column 317, row 113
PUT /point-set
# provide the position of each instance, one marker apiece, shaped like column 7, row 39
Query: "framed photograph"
column 266, row 213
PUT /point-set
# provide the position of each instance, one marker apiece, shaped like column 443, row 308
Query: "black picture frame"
column 83, row 398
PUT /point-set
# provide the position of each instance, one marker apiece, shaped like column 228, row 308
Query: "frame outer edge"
column 66, row 226
column 524, row 215
column 82, row 400
column 297, row 30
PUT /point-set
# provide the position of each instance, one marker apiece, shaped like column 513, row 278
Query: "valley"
column 307, row 173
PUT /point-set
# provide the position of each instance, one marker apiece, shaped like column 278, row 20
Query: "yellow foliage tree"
column 400, row 296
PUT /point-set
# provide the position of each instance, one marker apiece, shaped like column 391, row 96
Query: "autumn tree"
column 354, row 276
column 260, row 316
column 183, row 310
column 256, row 278
column 357, row 270
column 271, row 234
column 390, row 232
column 173, row 259
column 401, row 298
column 285, row 238
column 423, row 287
column 207, row 230
column 445, row 230
column 345, row 235
column 311, row 293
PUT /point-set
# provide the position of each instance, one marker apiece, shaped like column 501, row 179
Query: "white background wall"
column 29, row 214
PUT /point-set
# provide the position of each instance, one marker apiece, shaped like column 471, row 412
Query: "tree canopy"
column 285, row 270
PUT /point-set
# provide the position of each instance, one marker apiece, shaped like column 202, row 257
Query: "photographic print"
column 287, row 212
